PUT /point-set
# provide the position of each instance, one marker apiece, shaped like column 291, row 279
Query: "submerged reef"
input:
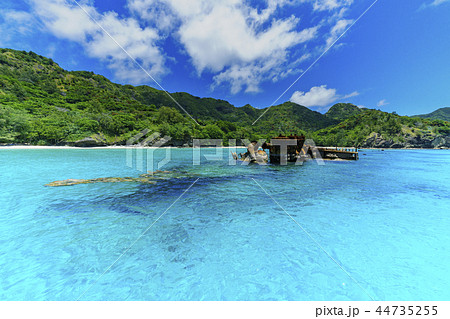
column 149, row 178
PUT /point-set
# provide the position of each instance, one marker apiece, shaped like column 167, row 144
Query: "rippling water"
column 384, row 219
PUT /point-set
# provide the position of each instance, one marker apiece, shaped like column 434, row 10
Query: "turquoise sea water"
column 384, row 219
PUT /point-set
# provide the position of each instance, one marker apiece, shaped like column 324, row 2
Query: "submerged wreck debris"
column 261, row 157
column 70, row 182
column 149, row 178
column 293, row 148
column 284, row 149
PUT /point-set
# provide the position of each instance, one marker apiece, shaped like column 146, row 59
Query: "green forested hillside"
column 440, row 114
column 43, row 104
column 374, row 128
column 342, row 111
column 40, row 103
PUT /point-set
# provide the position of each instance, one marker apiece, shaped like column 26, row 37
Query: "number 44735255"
column 408, row 310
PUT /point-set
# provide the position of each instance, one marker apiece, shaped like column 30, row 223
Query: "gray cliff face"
column 94, row 141
column 376, row 140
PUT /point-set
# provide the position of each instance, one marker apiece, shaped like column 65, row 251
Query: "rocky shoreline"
column 426, row 141
column 374, row 141
column 36, row 147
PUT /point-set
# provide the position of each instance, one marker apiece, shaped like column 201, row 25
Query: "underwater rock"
column 70, row 182
column 149, row 178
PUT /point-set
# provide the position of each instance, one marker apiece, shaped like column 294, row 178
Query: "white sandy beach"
column 36, row 147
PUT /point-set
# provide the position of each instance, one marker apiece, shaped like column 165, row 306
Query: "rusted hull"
column 338, row 153
column 284, row 149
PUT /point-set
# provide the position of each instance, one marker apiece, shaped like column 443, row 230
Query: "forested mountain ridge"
column 41, row 103
column 374, row 128
column 342, row 111
column 440, row 114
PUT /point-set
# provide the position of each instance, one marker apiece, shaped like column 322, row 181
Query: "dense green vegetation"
column 440, row 114
column 400, row 131
column 342, row 111
column 40, row 103
column 43, row 104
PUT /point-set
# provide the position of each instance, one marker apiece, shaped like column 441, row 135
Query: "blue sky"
column 396, row 57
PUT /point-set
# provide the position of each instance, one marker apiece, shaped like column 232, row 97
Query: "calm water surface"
column 384, row 219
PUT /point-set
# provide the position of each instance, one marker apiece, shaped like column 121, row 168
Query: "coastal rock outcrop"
column 90, row 142
column 376, row 140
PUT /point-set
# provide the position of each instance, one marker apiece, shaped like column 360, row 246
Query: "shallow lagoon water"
column 384, row 219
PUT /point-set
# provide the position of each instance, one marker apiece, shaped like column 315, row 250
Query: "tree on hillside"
column 14, row 124
column 169, row 115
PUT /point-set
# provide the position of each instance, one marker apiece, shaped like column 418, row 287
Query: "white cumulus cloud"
column 337, row 30
column 319, row 97
column 322, row 5
column 241, row 46
column 157, row 13
column 214, row 42
column 236, row 43
column 224, row 39
column 72, row 23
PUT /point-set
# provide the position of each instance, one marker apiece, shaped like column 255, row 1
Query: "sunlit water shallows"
column 384, row 219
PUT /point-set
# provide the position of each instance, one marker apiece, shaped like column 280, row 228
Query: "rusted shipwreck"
column 294, row 148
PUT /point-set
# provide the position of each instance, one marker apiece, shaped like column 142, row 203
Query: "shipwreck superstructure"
column 294, row 148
